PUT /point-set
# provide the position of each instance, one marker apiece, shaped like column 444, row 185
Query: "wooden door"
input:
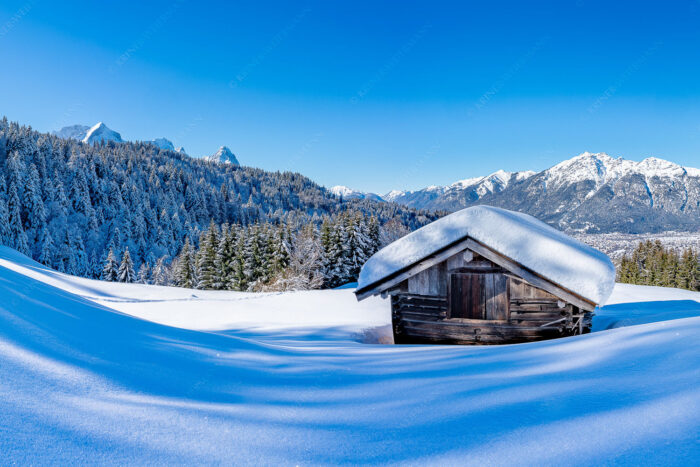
column 478, row 295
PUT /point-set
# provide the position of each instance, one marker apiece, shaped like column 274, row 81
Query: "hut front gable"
column 467, row 298
column 434, row 280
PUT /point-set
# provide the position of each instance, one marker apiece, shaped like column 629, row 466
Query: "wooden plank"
column 535, row 308
column 417, row 306
column 419, row 338
column 452, row 294
column 488, row 291
column 476, row 292
column 529, row 276
column 428, row 305
column 495, row 341
column 410, row 295
column 485, row 325
column 535, row 301
column 411, row 315
column 441, row 282
column 437, row 328
column 497, row 297
column 518, row 315
column 522, row 290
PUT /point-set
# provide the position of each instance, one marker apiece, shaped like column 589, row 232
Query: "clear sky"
column 373, row 95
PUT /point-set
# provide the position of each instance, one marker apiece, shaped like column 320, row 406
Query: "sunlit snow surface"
column 285, row 379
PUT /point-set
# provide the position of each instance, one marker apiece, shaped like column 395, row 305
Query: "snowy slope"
column 100, row 132
column 82, row 383
column 522, row 238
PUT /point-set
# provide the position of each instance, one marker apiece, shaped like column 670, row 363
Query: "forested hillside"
column 67, row 203
column 653, row 264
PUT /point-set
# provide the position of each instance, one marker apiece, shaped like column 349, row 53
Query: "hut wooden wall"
column 420, row 308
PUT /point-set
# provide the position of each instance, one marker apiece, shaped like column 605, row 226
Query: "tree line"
column 266, row 256
column 653, row 264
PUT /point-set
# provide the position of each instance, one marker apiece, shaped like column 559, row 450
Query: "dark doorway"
column 478, row 295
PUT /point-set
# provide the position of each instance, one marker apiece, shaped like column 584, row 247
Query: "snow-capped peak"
column 653, row 166
column 224, row 156
column 492, row 183
column 163, row 143
column 601, row 168
column 467, row 182
column 394, row 194
column 100, row 132
column 341, row 190
column 76, row 132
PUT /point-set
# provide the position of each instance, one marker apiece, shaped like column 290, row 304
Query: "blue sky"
column 373, row 95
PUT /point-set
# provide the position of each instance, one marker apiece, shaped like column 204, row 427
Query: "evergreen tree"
column 33, row 203
column 126, row 268
column 144, row 274
column 5, row 231
column 326, row 260
column 46, row 248
column 110, row 271
column 18, row 238
column 161, row 273
column 280, row 249
column 224, row 263
column 206, row 258
column 238, row 280
column 184, row 268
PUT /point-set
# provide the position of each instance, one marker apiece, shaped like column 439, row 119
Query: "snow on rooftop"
column 522, row 238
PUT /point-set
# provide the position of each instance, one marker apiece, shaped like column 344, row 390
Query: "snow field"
column 282, row 378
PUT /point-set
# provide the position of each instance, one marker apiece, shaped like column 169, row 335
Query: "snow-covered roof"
column 533, row 244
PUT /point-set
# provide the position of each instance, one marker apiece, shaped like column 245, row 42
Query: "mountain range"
column 592, row 192
column 101, row 132
column 589, row 193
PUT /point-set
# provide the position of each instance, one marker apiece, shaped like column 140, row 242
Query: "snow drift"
column 524, row 239
column 83, row 383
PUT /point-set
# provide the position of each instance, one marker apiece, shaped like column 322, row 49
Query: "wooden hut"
column 485, row 275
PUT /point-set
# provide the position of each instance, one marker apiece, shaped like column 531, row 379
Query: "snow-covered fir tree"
column 206, row 258
column 144, row 274
column 185, row 275
column 110, row 271
column 126, row 268
column 161, row 273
